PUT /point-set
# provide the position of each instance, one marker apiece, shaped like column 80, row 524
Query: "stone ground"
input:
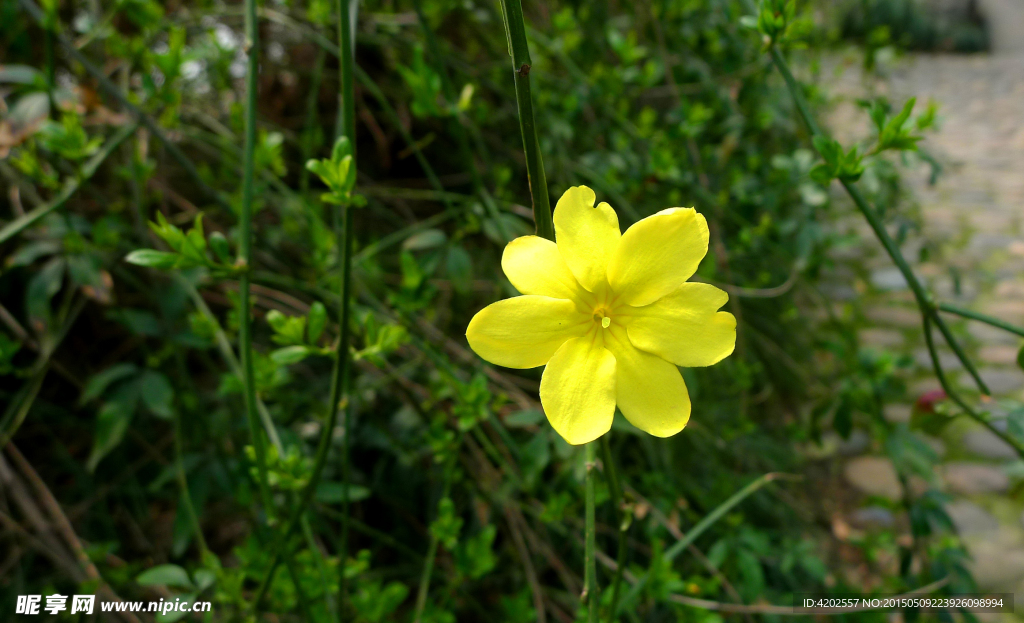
column 973, row 217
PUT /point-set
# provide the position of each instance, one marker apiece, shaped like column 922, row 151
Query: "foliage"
column 125, row 308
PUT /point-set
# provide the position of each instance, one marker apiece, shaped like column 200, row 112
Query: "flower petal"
column 586, row 236
column 578, row 390
column 534, row 266
column 524, row 331
column 657, row 255
column 684, row 327
column 650, row 391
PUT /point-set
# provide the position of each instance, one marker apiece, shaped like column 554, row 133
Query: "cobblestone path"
column 974, row 218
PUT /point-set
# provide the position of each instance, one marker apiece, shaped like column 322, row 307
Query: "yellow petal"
column 578, row 390
column 685, row 327
column 586, row 236
column 534, row 266
column 657, row 255
column 650, row 391
column 525, row 331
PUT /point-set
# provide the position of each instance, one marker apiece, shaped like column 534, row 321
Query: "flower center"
column 601, row 316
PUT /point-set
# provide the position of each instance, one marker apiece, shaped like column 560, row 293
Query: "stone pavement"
column 972, row 222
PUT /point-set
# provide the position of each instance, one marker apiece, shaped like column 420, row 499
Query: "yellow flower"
column 611, row 315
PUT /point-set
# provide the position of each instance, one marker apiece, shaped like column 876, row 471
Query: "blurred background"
column 125, row 468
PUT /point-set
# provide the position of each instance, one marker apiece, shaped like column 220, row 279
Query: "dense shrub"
column 124, row 391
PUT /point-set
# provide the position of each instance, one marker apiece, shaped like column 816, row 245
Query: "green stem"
column 973, row 315
column 702, row 526
column 515, row 30
column 590, row 591
column 227, row 353
column 924, row 300
column 340, row 375
column 428, row 563
column 18, row 410
column 186, row 496
column 51, row 82
column 340, row 382
column 615, row 488
column 982, row 418
column 372, row 532
column 371, row 87
column 88, row 170
column 312, row 118
column 245, row 251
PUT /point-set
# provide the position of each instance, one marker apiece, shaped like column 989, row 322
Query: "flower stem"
column 245, row 252
column 590, row 590
column 973, row 315
column 615, row 488
column 515, row 29
column 340, row 381
column 924, row 301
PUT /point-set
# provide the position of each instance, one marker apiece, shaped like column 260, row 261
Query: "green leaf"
column 342, row 148
column 41, row 288
column 204, row 579
column 157, row 394
column 475, row 555
column 460, row 269
column 316, row 321
column 20, row 74
column 99, row 382
column 525, row 418
column 1020, row 357
column 111, row 425
column 179, row 613
column 165, row 575
column 152, row 258
column 288, row 330
column 426, row 239
column 334, row 492
column 220, row 247
column 447, row 526
column 290, row 354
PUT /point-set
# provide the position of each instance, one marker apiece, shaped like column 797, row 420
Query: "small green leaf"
column 342, row 148
column 157, row 394
column 179, row 612
column 459, row 265
column 111, row 425
column 316, row 321
column 204, row 579
column 152, row 258
column 102, row 380
column 334, row 492
column 525, row 418
column 41, row 289
column 165, row 575
column 220, row 247
column 426, row 239
column 1020, row 357
column 20, row 74
column 290, row 354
